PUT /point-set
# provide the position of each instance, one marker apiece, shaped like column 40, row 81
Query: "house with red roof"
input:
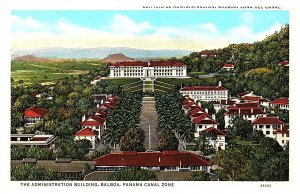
column 208, row 54
column 228, row 66
column 142, row 69
column 282, row 135
column 258, row 99
column 216, row 137
column 88, row 134
column 284, row 64
column 203, row 122
column 247, row 111
column 205, row 93
column 171, row 160
column 96, row 122
column 34, row 114
column 281, row 103
column 268, row 125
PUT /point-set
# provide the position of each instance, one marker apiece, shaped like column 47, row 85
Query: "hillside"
column 113, row 58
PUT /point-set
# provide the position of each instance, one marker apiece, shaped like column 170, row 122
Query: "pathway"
column 148, row 117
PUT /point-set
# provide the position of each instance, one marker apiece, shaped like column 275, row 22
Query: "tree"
column 231, row 162
column 199, row 176
column 132, row 174
column 220, row 118
column 203, row 144
column 23, row 102
column 242, row 128
column 133, row 140
column 167, row 140
column 31, row 172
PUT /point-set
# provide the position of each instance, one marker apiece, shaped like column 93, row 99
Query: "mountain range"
column 99, row 52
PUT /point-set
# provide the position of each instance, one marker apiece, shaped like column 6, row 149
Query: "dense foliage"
column 20, row 152
column 171, row 116
column 267, row 161
column 255, row 65
column 123, row 117
column 199, row 176
column 31, row 172
column 133, row 140
column 132, row 174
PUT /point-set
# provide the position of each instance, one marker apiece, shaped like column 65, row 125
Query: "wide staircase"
column 148, row 123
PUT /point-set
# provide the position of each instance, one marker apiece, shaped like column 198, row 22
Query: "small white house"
column 88, row 134
column 283, row 136
column 219, row 141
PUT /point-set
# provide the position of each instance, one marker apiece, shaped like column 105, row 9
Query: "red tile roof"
column 35, row 111
column 214, row 131
column 203, row 88
column 150, row 64
column 243, row 93
column 187, row 100
column 195, row 111
column 150, row 159
column 190, row 104
column 204, row 119
column 85, row 132
column 226, row 65
column 245, row 111
column 93, row 120
column 282, row 101
column 267, row 120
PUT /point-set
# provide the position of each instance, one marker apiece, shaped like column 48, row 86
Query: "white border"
column 180, row 187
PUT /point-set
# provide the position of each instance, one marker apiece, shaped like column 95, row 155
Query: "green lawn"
column 174, row 81
column 240, row 141
column 50, row 70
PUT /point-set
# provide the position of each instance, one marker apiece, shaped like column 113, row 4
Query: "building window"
column 267, row 132
column 282, row 141
column 267, row 126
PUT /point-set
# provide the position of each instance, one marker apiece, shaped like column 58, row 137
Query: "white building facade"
column 205, row 93
column 148, row 69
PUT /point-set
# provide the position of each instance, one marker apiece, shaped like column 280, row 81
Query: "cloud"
column 124, row 32
column 124, row 24
column 210, row 27
column 29, row 23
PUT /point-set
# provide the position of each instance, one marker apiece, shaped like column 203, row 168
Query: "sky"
column 191, row 30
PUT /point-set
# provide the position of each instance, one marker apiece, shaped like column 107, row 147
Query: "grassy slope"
column 45, row 71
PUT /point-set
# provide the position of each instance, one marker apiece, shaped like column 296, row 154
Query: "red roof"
column 284, row 62
column 245, row 105
column 243, row 93
column 226, row 65
column 150, row 64
column 251, row 98
column 86, row 132
column 39, row 138
column 190, row 104
column 150, row 159
column 194, row 111
column 282, row 101
column 267, row 120
column 187, row 100
column 93, row 120
column 204, row 88
column 214, row 131
column 245, row 110
column 204, row 119
column 35, row 111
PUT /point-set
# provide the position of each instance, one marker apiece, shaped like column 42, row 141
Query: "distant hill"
column 99, row 52
column 113, row 58
column 26, row 58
